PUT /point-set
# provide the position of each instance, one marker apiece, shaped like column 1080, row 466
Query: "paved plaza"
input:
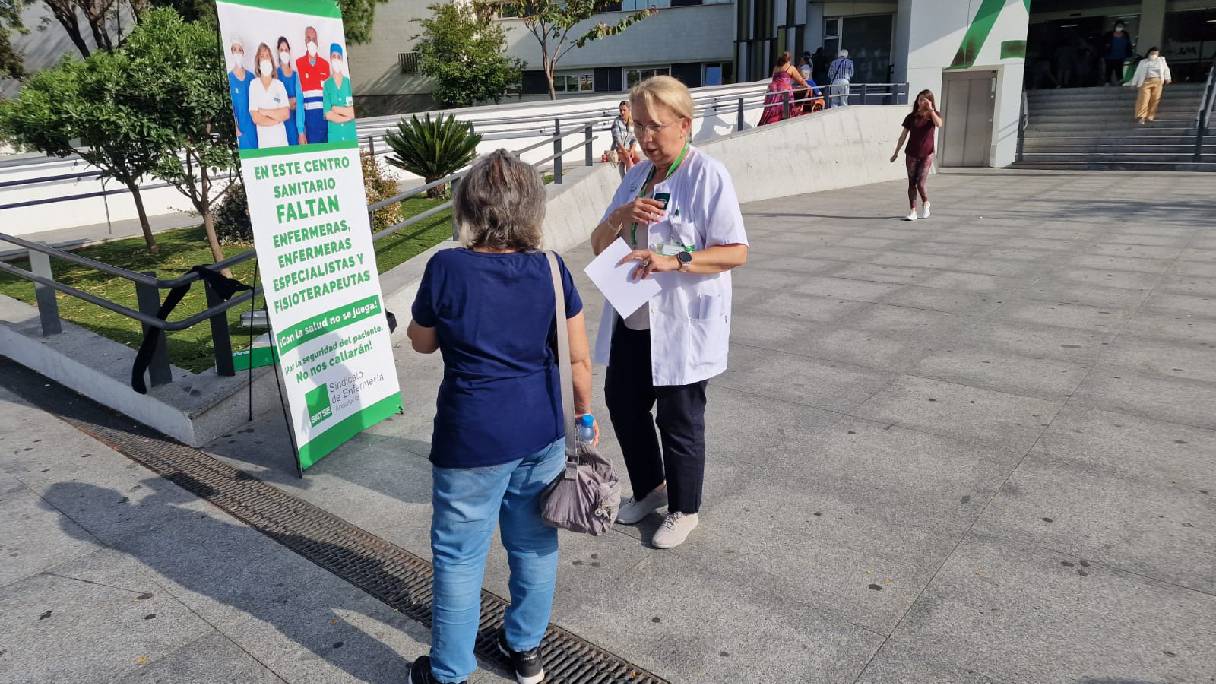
column 977, row 448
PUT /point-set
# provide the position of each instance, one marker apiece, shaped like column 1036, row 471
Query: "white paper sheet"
column 625, row 295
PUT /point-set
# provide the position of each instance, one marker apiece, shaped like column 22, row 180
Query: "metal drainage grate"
column 389, row 573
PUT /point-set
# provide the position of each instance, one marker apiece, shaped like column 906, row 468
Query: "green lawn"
column 179, row 250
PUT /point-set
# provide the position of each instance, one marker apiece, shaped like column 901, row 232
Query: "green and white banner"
column 294, row 114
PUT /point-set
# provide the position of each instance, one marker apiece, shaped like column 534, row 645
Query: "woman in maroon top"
column 920, row 129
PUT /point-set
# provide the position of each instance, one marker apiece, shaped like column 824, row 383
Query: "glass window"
column 635, row 5
column 636, row 75
column 574, row 82
column 712, row 75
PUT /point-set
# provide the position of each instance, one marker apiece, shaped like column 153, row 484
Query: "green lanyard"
column 675, row 166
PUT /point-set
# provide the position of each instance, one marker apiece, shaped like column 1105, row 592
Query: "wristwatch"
column 685, row 259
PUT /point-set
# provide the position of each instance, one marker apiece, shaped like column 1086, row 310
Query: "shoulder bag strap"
column 563, row 353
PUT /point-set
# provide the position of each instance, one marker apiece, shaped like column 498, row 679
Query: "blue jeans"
column 467, row 502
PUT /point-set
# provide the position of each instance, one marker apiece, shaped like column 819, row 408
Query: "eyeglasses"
column 641, row 131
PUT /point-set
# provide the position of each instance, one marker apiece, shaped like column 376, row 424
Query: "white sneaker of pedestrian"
column 911, row 216
column 674, row 530
column 633, row 511
column 924, row 210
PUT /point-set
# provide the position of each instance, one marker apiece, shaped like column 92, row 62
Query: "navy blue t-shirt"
column 493, row 314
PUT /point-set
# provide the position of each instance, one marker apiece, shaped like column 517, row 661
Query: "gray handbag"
column 587, row 495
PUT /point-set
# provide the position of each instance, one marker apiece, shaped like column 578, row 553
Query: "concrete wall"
column 930, row 34
column 47, row 43
column 379, row 85
column 676, row 34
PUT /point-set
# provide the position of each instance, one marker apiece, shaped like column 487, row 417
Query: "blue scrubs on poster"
column 238, row 90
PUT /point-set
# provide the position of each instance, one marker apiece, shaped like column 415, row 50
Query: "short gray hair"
column 500, row 204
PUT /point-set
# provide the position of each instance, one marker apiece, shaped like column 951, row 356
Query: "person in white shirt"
column 269, row 104
column 678, row 211
column 1151, row 77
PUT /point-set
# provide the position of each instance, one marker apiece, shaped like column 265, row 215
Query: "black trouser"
column 1114, row 67
column 630, row 394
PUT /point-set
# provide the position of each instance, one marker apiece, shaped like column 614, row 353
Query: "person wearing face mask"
column 1118, row 49
column 339, row 102
column 291, row 82
column 1151, row 77
column 314, row 71
column 678, row 211
column 238, row 91
column 268, row 102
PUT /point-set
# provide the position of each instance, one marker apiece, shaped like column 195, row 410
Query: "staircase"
column 1093, row 128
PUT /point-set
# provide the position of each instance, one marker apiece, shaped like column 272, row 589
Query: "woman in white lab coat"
column 678, row 212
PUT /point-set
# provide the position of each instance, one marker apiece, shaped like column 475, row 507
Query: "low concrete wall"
column 840, row 148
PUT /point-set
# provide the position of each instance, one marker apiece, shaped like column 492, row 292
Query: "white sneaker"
column 911, row 216
column 924, row 210
column 674, row 530
column 634, row 511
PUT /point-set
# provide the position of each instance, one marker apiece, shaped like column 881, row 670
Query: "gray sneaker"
column 674, row 530
column 634, row 511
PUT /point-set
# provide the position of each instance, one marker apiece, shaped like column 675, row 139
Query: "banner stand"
column 291, row 432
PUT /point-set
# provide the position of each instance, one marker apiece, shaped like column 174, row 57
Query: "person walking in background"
column 624, row 144
column 1151, row 77
column 291, row 83
column 337, row 101
column 781, row 89
column 1116, row 50
column 498, row 438
column 314, row 71
column 841, row 74
column 239, row 79
column 919, row 130
column 819, row 66
column 268, row 102
column 678, row 212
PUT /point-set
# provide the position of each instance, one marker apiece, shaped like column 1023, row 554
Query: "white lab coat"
column 690, row 318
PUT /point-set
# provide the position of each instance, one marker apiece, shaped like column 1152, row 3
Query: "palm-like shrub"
column 432, row 148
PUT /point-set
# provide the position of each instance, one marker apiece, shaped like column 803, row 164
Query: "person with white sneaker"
column 678, row 211
column 919, row 131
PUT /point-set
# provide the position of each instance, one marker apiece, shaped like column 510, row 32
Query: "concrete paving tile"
column 801, row 380
column 1119, row 263
column 1045, row 244
column 1035, row 340
column 1170, row 359
column 1172, row 326
column 803, row 306
column 1188, row 285
column 1098, row 319
column 772, row 332
column 876, row 350
column 1137, row 251
column 1198, row 306
column 940, row 245
column 837, row 253
column 883, row 274
column 1068, row 292
column 966, row 413
column 769, row 280
column 970, row 282
column 1007, row 268
column 213, row 658
column 657, row 616
column 1016, row 613
column 1149, row 239
column 799, row 265
column 895, row 319
column 1199, row 254
column 1002, row 372
column 899, row 663
column 1038, row 256
column 915, row 260
column 1201, row 269
column 861, row 242
column 37, row 537
column 1151, row 396
column 1133, row 493
column 109, row 629
column 950, row 301
column 845, row 288
column 1131, row 280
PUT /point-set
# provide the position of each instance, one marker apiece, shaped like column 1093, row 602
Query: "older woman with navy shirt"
column 499, row 435
column 678, row 210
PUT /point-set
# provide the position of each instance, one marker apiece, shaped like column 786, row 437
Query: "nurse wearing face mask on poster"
column 314, row 71
column 339, row 103
column 268, row 102
column 238, row 90
column 291, row 82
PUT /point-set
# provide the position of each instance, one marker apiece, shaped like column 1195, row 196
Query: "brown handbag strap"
column 563, row 353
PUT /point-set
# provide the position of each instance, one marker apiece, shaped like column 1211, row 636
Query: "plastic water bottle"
column 586, row 428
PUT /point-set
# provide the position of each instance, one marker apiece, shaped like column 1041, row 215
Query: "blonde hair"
column 665, row 91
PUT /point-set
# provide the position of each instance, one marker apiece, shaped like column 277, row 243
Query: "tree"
column 552, row 21
column 463, row 53
column 11, row 64
column 84, row 108
column 357, row 18
column 183, row 95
